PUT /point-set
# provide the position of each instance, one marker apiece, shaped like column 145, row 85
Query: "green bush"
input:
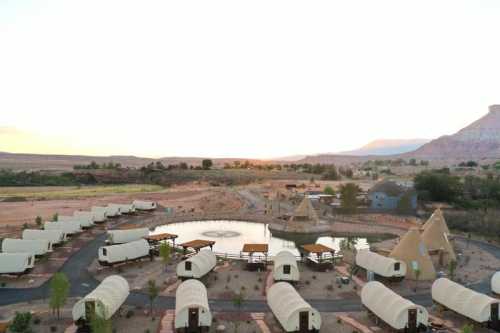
column 21, row 323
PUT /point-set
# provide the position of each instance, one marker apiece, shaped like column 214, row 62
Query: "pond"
column 231, row 235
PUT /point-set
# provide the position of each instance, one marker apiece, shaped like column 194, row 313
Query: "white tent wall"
column 495, row 283
column 124, row 208
column 16, row 263
column 38, row 247
column 85, row 221
column 53, row 236
column 118, row 253
column 68, row 227
column 100, row 213
column 108, row 297
column 113, row 211
column 286, row 305
column 192, row 294
column 85, row 214
column 380, row 265
column 201, row 264
column 144, row 205
column 464, row 301
column 126, row 236
column 390, row 307
column 282, row 260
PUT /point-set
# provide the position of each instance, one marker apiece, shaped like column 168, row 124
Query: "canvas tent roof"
column 305, row 212
column 389, row 306
column 437, row 218
column 412, row 250
column 191, row 294
column 462, row 300
column 495, row 283
column 378, row 264
column 435, row 238
column 109, row 296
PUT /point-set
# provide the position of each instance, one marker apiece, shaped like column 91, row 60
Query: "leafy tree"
column 59, row 289
column 348, row 196
column 183, row 166
column 55, row 217
column 165, row 253
column 417, row 276
column 438, row 185
column 21, row 323
column 405, row 203
column 100, row 325
column 38, row 221
column 329, row 190
column 452, row 266
column 413, row 162
column 153, row 292
column 206, row 164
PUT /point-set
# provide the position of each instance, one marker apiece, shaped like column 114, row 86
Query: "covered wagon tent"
column 54, row 236
column 125, row 208
column 68, row 227
column 16, row 263
column 320, row 257
column 412, row 250
column 495, row 283
column 113, row 211
column 436, row 240
column 115, row 254
column 85, row 214
column 285, row 267
column 384, row 268
column 197, row 245
column 197, row 266
column 397, row 312
column 257, row 256
column 466, row 302
column 103, row 301
column 100, row 214
column 293, row 313
column 192, row 313
column 85, row 221
column 144, row 205
column 38, row 247
column 125, row 236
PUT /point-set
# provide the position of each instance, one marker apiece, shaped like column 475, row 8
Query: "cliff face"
column 481, row 139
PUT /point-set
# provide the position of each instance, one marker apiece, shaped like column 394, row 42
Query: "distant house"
column 389, row 195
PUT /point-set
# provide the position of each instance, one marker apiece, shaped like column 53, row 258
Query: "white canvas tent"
column 104, row 300
column 464, row 301
column 113, row 211
column 293, row 313
column 144, row 205
column 113, row 254
column 412, row 250
column 38, row 247
column 192, row 312
column 391, row 308
column 197, row 266
column 85, row 221
column 53, row 236
column 16, row 263
column 85, row 214
column 126, row 236
column 100, row 213
column 124, row 208
column 68, row 227
column 495, row 283
column 380, row 265
column 285, row 267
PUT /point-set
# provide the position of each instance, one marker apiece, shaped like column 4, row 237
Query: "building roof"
column 160, row 237
column 249, row 248
column 317, row 248
column 391, row 188
column 197, row 244
column 305, row 211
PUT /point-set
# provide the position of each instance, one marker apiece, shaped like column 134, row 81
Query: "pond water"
column 231, row 235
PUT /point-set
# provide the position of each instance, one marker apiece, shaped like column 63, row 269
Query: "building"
column 389, row 195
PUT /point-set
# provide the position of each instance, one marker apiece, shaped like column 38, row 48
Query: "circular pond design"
column 231, row 235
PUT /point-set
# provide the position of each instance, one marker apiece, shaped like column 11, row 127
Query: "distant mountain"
column 384, row 147
column 479, row 140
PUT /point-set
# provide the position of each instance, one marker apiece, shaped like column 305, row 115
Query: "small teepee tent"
column 412, row 250
column 436, row 239
column 437, row 218
column 305, row 212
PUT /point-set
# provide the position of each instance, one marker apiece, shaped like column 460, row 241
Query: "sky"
column 256, row 79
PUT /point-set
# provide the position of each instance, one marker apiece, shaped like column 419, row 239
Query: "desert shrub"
column 21, row 323
column 37, row 320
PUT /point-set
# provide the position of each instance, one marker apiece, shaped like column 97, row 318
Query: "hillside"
column 387, row 147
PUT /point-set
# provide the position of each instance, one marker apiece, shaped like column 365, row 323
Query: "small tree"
column 153, row 291
column 165, row 253
column 452, row 266
column 21, row 323
column 467, row 329
column 38, row 221
column 55, row 218
column 238, row 300
column 100, row 325
column 417, row 276
column 348, row 196
column 329, row 190
column 206, row 164
column 59, row 289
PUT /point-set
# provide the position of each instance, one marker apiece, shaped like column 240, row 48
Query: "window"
column 104, row 251
column 29, row 261
column 188, row 265
column 397, row 266
column 286, row 269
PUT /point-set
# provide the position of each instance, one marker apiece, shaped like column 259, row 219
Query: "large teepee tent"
column 412, row 250
column 435, row 238
column 437, row 218
column 305, row 212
